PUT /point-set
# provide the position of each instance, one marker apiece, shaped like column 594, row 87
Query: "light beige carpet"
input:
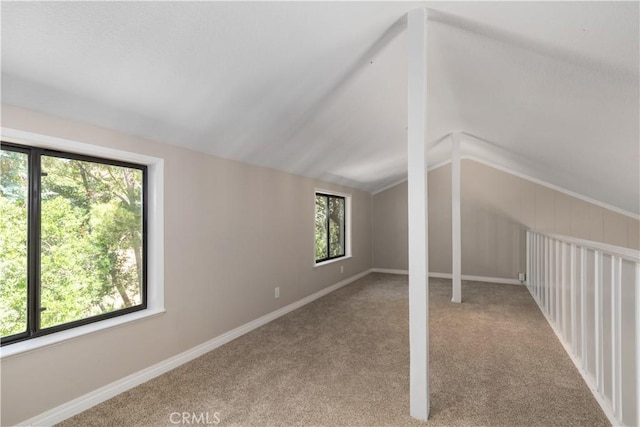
column 344, row 360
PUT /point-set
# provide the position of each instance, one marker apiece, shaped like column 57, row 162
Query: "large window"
column 72, row 240
column 331, row 215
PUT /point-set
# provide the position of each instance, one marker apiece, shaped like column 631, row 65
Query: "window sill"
column 331, row 261
column 26, row 346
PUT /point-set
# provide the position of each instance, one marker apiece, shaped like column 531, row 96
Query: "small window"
column 330, row 228
column 72, row 240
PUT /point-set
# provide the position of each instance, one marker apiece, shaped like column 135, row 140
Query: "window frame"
column 346, row 227
column 34, row 221
column 155, row 232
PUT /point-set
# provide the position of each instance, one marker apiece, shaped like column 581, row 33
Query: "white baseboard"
column 501, row 280
column 82, row 403
column 606, row 407
column 449, row 276
column 389, row 271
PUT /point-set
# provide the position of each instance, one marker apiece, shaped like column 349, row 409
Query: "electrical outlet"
column 522, row 277
column 341, row 269
column 277, row 294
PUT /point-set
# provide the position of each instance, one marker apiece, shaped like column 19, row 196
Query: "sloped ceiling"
column 319, row 89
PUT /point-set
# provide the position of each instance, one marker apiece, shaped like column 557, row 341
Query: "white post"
column 456, row 235
column 418, row 220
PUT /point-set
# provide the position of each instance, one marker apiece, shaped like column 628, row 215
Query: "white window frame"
column 347, row 226
column 155, row 236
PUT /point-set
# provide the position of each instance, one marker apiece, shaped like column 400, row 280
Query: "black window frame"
column 344, row 226
column 34, row 234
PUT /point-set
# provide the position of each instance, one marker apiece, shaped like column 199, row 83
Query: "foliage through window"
column 72, row 240
column 330, row 227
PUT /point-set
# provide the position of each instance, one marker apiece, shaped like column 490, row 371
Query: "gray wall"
column 390, row 232
column 496, row 209
column 233, row 232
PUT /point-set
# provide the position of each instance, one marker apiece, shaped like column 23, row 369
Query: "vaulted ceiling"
column 319, row 89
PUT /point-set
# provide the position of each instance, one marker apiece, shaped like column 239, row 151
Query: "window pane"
column 321, row 228
column 91, row 242
column 13, row 242
column 336, row 226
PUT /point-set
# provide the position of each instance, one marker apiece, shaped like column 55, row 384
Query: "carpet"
column 343, row 360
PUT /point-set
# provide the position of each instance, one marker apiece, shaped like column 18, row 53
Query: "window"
column 331, row 227
column 73, row 240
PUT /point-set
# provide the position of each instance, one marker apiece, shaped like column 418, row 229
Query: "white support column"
column 456, row 234
column 418, row 220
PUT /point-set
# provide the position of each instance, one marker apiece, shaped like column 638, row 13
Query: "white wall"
column 233, row 232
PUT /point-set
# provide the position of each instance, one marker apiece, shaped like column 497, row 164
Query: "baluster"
column 598, row 317
column 547, row 280
column 637, row 335
column 558, row 284
column 572, row 296
column 583, row 305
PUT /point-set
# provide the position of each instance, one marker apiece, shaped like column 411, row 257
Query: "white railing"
column 590, row 294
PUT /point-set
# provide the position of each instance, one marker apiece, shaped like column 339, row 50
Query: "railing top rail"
column 619, row 251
